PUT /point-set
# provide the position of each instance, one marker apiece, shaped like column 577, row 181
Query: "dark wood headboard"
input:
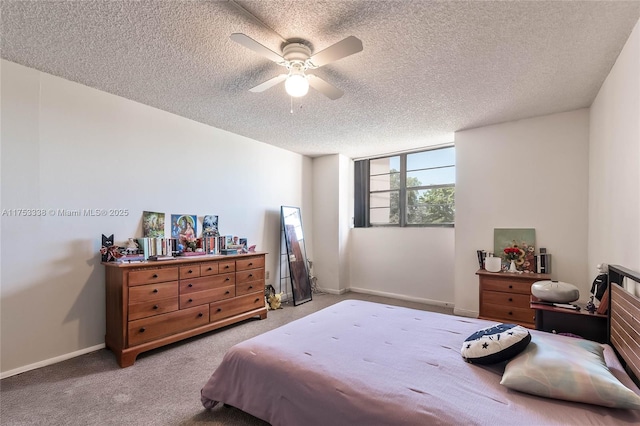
column 624, row 319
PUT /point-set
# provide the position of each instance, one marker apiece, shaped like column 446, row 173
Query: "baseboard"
column 401, row 297
column 465, row 313
column 50, row 361
column 332, row 291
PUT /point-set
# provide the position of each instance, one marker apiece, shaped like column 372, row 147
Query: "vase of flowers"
column 511, row 254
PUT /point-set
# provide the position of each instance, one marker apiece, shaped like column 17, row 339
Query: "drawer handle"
column 250, row 287
column 257, row 300
column 219, row 310
column 250, row 275
column 226, row 267
column 190, row 271
column 510, row 299
column 227, row 279
column 250, row 263
column 200, row 314
column 190, row 285
column 510, row 313
column 155, row 276
column 142, row 330
column 155, row 290
column 155, row 306
column 210, row 268
column 190, row 300
column 510, row 286
column 226, row 292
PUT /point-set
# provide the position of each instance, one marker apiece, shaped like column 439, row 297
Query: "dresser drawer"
column 237, row 305
column 206, row 283
column 189, row 271
column 151, row 292
column 507, row 286
column 250, row 287
column 152, row 328
column 226, row 266
column 515, row 300
column 147, row 276
column 250, row 275
column 253, row 262
column 507, row 314
column 210, row 268
column 155, row 307
column 207, row 296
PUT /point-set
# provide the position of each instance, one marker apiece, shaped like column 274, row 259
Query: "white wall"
column 614, row 163
column 406, row 263
column 332, row 175
column 67, row 146
column 326, row 223
column 525, row 174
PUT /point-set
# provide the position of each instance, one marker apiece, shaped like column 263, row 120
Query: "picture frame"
column 524, row 239
column 210, row 225
column 152, row 224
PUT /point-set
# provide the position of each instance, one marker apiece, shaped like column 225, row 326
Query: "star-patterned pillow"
column 495, row 344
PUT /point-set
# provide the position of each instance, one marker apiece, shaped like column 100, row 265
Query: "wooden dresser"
column 151, row 304
column 505, row 297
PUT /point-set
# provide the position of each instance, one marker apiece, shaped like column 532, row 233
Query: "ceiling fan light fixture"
column 296, row 85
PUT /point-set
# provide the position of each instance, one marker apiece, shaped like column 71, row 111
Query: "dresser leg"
column 126, row 359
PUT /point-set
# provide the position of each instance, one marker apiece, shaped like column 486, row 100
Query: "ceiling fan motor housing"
column 296, row 52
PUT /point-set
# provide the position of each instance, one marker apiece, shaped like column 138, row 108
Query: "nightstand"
column 561, row 320
column 505, row 296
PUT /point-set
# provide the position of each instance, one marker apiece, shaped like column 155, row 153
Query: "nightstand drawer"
column 506, row 286
column 506, row 299
column 508, row 314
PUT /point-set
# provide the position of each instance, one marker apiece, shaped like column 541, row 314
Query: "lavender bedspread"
column 363, row 363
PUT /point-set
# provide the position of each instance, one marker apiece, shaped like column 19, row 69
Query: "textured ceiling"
column 427, row 68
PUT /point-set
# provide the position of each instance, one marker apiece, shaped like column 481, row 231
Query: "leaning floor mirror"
column 296, row 254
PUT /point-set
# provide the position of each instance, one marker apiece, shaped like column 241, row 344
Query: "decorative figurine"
column 108, row 251
column 132, row 246
column 599, row 285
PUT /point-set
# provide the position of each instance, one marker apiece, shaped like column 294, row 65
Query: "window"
column 413, row 189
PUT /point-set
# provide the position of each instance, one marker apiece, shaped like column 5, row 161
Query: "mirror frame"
column 296, row 254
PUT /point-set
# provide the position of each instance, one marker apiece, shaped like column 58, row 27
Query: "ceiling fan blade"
column 269, row 83
column 323, row 87
column 250, row 43
column 341, row 49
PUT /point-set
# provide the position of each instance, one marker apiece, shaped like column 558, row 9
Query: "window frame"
column 363, row 192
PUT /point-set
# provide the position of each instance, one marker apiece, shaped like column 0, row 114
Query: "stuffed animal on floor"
column 275, row 301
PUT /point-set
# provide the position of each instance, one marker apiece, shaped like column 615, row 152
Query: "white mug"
column 493, row 264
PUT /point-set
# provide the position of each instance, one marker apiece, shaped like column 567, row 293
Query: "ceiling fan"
column 297, row 59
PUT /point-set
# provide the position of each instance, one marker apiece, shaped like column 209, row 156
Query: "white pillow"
column 569, row 369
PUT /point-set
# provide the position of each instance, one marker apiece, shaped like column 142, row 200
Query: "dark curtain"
column 361, row 191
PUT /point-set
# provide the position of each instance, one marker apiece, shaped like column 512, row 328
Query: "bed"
column 360, row 362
